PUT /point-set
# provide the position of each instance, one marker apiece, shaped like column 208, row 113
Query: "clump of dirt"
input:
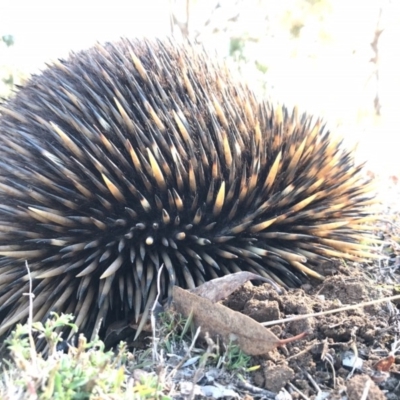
column 356, row 387
column 317, row 362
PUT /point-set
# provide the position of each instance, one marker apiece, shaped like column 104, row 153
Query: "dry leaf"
column 218, row 320
column 385, row 364
column 220, row 288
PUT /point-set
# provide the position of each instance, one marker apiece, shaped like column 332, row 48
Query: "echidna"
column 140, row 153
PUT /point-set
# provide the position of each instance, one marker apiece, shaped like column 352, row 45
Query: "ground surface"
column 369, row 331
column 320, row 366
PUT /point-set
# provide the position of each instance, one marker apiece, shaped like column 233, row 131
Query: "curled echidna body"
column 137, row 154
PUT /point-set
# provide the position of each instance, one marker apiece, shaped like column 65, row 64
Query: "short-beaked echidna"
column 140, row 153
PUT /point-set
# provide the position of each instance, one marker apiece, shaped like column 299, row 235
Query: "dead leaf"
column 220, row 288
column 385, row 364
column 218, row 320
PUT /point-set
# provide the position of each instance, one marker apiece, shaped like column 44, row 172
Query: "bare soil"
column 366, row 332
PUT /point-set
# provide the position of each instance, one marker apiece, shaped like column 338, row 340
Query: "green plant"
column 86, row 371
column 234, row 359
